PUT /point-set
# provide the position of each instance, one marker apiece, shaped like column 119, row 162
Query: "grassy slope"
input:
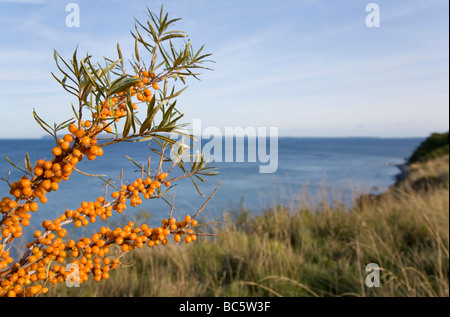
column 307, row 253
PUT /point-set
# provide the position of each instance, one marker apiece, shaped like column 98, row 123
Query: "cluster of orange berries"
column 89, row 211
column 20, row 282
column 18, row 285
column 47, row 176
column 89, row 254
column 49, row 245
column 113, row 107
column 21, row 218
column 116, row 106
column 5, row 258
column 97, row 266
column 133, row 191
column 129, row 237
column 146, row 94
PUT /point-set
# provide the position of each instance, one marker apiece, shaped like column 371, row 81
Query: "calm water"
column 366, row 163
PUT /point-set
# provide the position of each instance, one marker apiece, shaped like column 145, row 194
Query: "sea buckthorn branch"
column 111, row 95
column 92, row 81
column 81, row 252
column 48, row 175
column 49, row 246
column 103, row 208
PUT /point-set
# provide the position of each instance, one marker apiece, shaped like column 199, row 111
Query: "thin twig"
column 207, row 201
column 87, row 174
column 173, row 204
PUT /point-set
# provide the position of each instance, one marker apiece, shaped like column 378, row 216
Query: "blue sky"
column 309, row 67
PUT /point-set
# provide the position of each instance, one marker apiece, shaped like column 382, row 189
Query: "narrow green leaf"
column 9, row 161
column 119, row 52
column 196, row 187
column 28, row 163
column 136, row 50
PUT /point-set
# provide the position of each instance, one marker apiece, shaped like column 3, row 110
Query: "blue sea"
column 337, row 164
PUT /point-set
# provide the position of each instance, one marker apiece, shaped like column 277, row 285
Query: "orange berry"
column 86, row 140
column 67, row 168
column 56, row 167
column 49, row 173
column 73, row 160
column 18, row 289
column 93, row 150
column 17, row 193
column 73, row 128
column 68, row 138
column 65, row 145
column 56, row 151
column 12, row 204
column 38, row 171
column 27, row 191
column 48, row 165
column 34, row 207
column 25, row 183
column 80, row 133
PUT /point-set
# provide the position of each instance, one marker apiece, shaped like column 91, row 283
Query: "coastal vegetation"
column 436, row 145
